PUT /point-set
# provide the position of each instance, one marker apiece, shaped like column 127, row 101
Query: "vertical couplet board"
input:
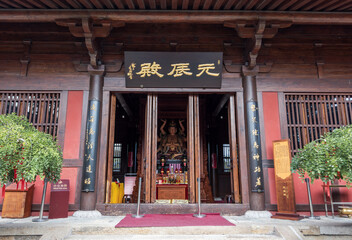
column 286, row 204
column 233, row 150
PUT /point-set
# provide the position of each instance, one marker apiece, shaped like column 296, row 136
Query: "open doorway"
column 170, row 140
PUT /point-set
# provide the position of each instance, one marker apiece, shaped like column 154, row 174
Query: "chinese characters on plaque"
column 90, row 146
column 254, row 150
column 175, row 69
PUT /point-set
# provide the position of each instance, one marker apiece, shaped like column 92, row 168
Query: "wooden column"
column 90, row 160
column 257, row 201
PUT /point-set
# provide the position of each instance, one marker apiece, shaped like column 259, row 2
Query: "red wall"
column 71, row 147
column 70, row 150
column 272, row 133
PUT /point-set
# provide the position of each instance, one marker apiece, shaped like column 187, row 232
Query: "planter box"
column 17, row 202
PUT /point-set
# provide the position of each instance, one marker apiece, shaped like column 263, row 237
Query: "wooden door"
column 110, row 146
column 150, row 147
column 235, row 189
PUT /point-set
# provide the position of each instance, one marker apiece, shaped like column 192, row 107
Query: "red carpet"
column 173, row 220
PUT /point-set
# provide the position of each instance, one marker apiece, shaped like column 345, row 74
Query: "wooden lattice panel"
column 41, row 108
column 309, row 116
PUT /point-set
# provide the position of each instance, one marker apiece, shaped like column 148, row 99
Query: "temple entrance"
column 170, row 141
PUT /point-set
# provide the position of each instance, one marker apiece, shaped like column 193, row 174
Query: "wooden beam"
column 141, row 4
column 23, row 3
column 97, row 4
column 263, row 4
column 283, row 7
column 86, row 4
column 218, row 4
column 61, row 4
column 299, row 4
column 240, row 4
column 119, row 4
column 174, row 4
column 199, row 17
column 229, row 4
column 312, row 5
column 220, row 104
column 163, row 4
column 196, row 4
column 325, row 5
column 124, row 105
column 207, row 4
column 50, row 4
column 108, row 4
column 340, row 6
column 185, row 4
column 251, row 4
column 12, row 4
column 275, row 4
column 152, row 4
column 74, row 3
column 3, row 5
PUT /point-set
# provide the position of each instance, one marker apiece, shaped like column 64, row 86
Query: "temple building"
column 178, row 93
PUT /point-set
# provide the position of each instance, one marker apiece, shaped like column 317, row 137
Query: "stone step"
column 176, row 237
column 191, row 230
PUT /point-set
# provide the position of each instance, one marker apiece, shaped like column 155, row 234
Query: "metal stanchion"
column 310, row 201
column 199, row 215
column 139, row 200
column 41, row 219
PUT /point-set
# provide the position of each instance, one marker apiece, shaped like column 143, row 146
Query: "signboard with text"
column 173, row 69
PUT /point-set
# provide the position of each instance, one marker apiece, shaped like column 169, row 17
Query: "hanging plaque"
column 173, row 69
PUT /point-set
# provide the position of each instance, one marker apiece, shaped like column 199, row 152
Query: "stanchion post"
column 310, row 200
column 41, row 219
column 139, row 199
column 199, row 215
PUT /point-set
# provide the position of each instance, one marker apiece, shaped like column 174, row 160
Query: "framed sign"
column 173, row 69
column 286, row 204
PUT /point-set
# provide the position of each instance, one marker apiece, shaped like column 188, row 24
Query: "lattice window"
column 117, row 157
column 41, row 108
column 311, row 115
column 226, row 157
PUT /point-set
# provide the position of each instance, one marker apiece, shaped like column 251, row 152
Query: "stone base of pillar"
column 87, row 214
column 257, row 214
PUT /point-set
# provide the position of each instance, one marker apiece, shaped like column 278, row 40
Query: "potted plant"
column 327, row 158
column 26, row 153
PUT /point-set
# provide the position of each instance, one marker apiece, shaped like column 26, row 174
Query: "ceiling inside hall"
column 246, row 5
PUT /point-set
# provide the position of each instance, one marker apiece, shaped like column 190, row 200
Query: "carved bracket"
column 90, row 30
column 25, row 59
column 255, row 31
column 236, row 68
column 110, row 67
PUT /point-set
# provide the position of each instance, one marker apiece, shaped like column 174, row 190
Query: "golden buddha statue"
column 172, row 144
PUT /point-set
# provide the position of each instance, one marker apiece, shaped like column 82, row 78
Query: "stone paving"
column 247, row 227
